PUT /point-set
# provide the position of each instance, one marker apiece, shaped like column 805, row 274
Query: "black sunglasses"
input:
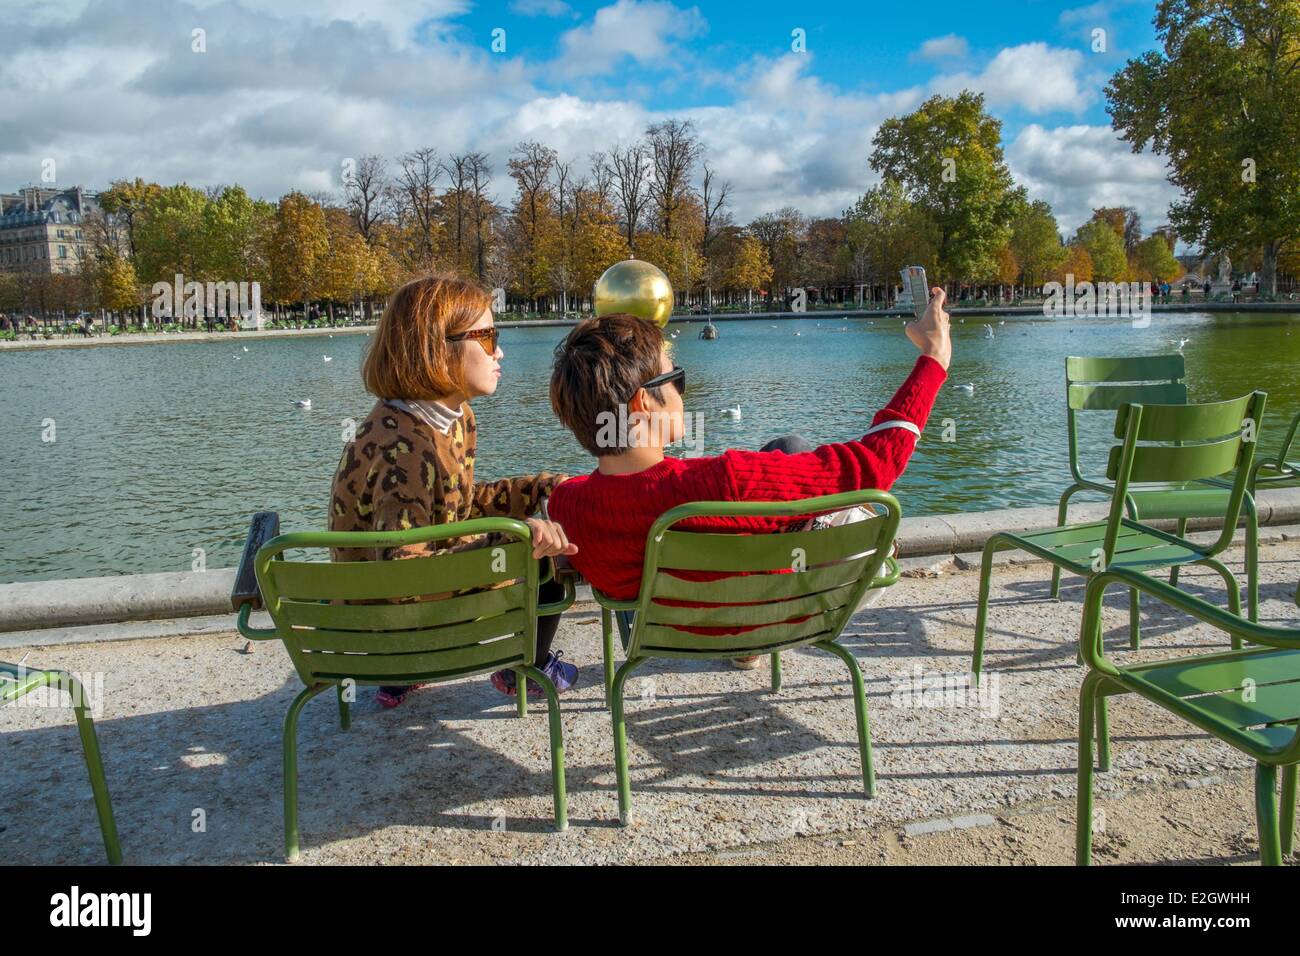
column 677, row 376
column 485, row 337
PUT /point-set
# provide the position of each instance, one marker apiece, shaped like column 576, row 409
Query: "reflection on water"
column 163, row 450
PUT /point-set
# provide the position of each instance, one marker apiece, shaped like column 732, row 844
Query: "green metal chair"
column 1278, row 469
column 1184, row 443
column 790, row 589
column 1249, row 699
column 17, row 681
column 1104, row 384
column 336, row 640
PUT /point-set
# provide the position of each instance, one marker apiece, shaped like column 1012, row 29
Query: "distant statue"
column 1225, row 269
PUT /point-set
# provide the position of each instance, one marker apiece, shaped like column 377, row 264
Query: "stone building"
column 43, row 229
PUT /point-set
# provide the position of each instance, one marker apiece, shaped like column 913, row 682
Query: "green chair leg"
column 1083, row 812
column 1103, row 734
column 1270, row 847
column 1134, row 619
column 558, row 790
column 1062, row 512
column 776, row 672
column 521, row 693
column 291, row 770
column 607, row 649
column 345, row 709
column 1288, row 809
column 1252, row 560
column 94, row 766
column 860, row 711
column 1173, row 572
column 982, row 610
column 620, row 740
column 1234, row 593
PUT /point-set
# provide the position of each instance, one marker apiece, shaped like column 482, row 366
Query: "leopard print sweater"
column 399, row 473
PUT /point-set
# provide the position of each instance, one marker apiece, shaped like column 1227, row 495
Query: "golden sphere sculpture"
column 636, row 287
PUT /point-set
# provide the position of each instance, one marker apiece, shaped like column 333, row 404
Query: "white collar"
column 434, row 414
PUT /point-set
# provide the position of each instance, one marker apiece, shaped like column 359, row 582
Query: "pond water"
column 160, row 450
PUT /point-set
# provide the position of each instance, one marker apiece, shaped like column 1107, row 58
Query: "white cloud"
column 641, row 29
column 1079, row 168
column 1032, row 76
column 947, row 47
column 110, row 89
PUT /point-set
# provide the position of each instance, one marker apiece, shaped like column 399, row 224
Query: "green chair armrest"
column 570, row 594
column 609, row 604
column 1282, row 637
column 250, row 632
column 890, row 577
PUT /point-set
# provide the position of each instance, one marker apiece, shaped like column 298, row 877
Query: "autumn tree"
column 1218, row 99
column 366, row 192
column 299, row 248
column 674, row 151
column 1036, row 242
column 947, row 155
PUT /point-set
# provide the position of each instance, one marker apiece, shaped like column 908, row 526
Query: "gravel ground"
column 722, row 769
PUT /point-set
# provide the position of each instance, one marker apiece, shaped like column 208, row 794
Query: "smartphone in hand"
column 915, row 282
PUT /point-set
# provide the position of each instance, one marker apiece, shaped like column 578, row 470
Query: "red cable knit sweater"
column 608, row 516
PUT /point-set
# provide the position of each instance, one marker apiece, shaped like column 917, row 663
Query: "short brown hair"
column 410, row 357
column 599, row 366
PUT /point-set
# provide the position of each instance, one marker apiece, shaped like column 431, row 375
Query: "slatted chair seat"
column 1180, row 444
column 1136, row 546
column 1249, row 699
column 1105, row 383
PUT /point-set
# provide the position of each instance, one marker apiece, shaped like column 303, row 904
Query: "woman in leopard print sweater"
column 411, row 463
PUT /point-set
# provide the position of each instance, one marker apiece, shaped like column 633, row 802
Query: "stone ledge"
column 934, row 541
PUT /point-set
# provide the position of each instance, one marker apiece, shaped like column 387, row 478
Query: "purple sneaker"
column 562, row 674
column 390, row 697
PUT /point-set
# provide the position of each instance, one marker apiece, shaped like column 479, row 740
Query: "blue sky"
column 284, row 91
column 857, row 47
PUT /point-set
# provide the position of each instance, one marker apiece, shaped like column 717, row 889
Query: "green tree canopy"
column 1036, row 242
column 948, row 157
column 1105, row 249
column 1219, row 99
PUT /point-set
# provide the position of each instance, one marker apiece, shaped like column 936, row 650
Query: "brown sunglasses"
column 485, row 337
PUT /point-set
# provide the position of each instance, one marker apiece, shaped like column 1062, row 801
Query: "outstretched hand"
column 549, row 538
column 930, row 333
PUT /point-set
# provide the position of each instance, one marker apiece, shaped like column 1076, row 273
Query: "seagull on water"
column 329, row 358
column 968, row 388
column 302, row 402
column 731, row 412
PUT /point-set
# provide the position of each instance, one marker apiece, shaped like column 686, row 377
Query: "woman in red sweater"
column 619, row 360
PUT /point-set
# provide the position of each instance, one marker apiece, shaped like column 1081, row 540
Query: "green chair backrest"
column 1174, row 443
column 385, row 642
column 1101, row 383
column 819, row 576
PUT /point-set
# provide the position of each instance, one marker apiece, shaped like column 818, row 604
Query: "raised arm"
column 877, row 458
